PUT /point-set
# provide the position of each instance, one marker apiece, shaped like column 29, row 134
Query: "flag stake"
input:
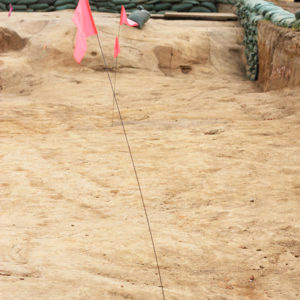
column 134, row 168
column 130, row 23
column 86, row 27
column 115, row 83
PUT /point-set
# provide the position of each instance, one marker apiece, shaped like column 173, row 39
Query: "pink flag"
column 86, row 27
column 117, row 48
column 125, row 20
column 10, row 9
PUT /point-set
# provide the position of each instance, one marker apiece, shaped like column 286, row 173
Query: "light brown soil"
column 288, row 5
column 218, row 162
column 279, row 56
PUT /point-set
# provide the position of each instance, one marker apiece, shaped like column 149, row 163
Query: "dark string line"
column 134, row 168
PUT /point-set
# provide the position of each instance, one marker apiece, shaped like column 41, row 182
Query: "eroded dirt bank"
column 279, row 56
column 218, row 161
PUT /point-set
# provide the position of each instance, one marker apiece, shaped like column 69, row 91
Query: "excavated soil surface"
column 218, row 161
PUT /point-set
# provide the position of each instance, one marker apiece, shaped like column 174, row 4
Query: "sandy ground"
column 217, row 158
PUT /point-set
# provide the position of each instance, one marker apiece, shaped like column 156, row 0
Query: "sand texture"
column 218, row 161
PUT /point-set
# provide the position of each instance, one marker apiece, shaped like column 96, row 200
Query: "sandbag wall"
column 113, row 6
column 249, row 13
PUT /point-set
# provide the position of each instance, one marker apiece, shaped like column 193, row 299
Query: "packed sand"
column 217, row 158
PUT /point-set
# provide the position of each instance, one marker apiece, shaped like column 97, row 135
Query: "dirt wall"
column 279, row 56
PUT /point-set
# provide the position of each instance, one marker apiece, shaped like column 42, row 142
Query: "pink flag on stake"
column 10, row 9
column 125, row 20
column 117, row 48
column 86, row 27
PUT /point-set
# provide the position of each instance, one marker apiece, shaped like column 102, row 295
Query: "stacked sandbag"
column 250, row 12
column 155, row 6
column 28, row 5
column 114, row 6
column 248, row 19
column 232, row 2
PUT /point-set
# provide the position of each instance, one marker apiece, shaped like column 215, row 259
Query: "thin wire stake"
column 134, row 168
column 170, row 62
column 115, row 83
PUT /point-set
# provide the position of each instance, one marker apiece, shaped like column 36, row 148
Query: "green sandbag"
column 255, row 19
column 182, row 7
column 171, row 1
column 151, row 2
column 120, row 2
column 127, row 6
column 199, row 9
column 191, row 1
column 257, row 6
column 162, row 6
column 62, row 2
column 29, row 10
column 148, row 6
column 287, row 22
column 276, row 18
column 50, row 8
column 107, row 10
column 9, row 1
column 107, row 5
column 296, row 24
column 140, row 16
column 27, row 2
column 38, row 6
column 297, row 14
column 66, row 6
column 266, row 7
column 2, row 6
column 211, row 6
column 253, row 77
column 270, row 13
column 93, row 7
column 19, row 7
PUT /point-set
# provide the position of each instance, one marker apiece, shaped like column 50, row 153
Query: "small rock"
column 212, row 132
column 229, row 287
column 243, row 247
column 251, row 278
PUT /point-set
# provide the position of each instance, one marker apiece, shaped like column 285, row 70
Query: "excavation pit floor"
column 218, row 161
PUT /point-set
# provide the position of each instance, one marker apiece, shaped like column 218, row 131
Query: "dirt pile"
column 10, row 40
